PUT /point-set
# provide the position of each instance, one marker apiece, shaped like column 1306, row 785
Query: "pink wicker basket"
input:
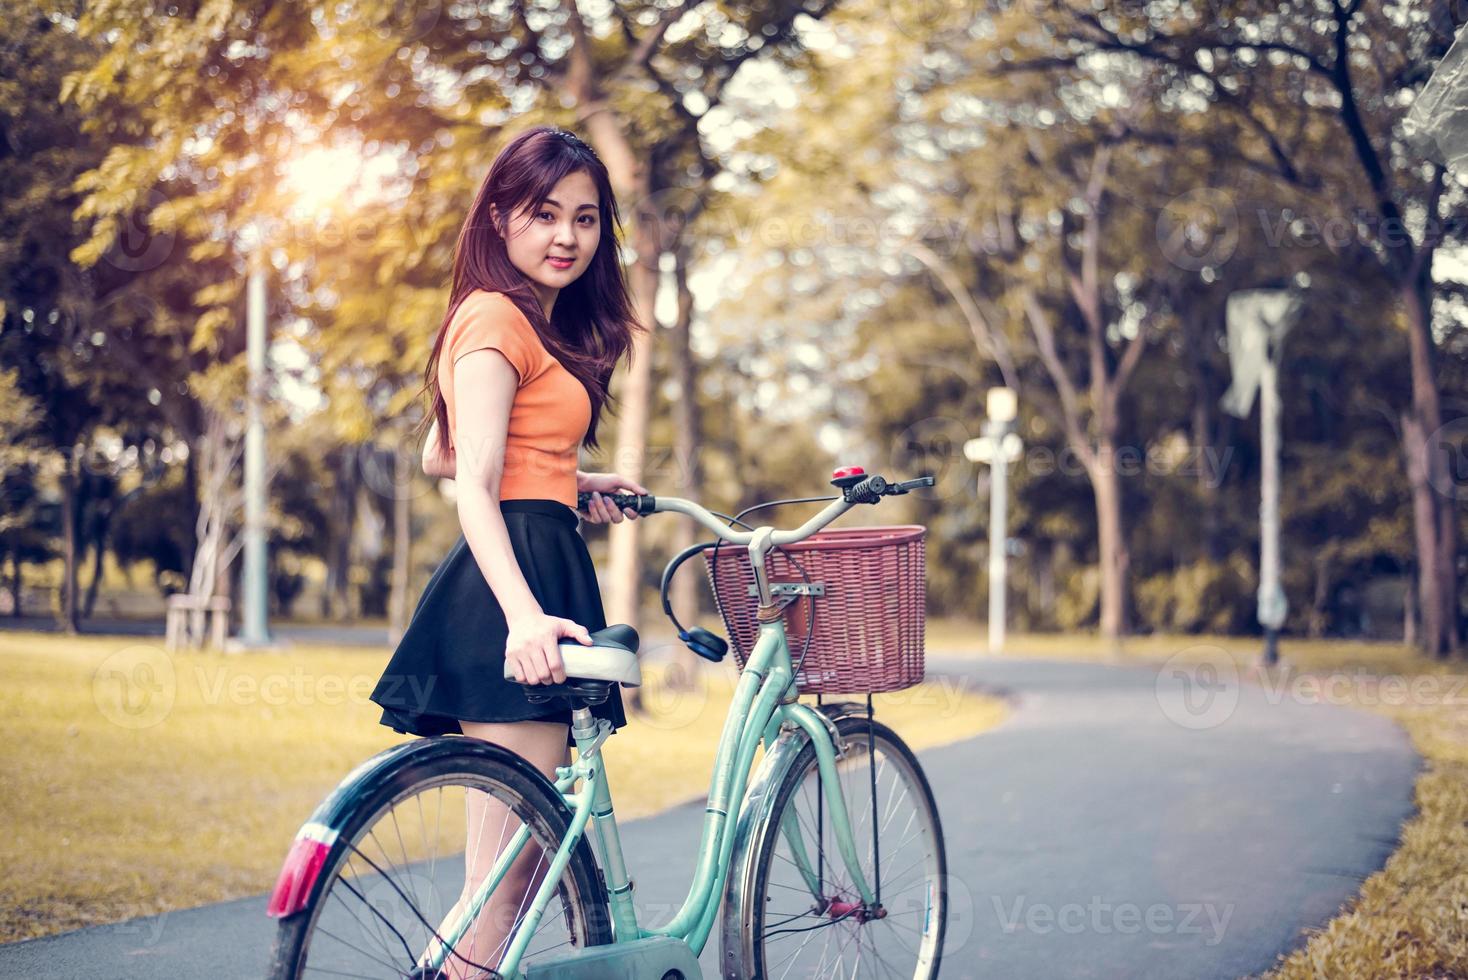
column 870, row 593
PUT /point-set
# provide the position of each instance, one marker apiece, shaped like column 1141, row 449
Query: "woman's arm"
column 485, row 383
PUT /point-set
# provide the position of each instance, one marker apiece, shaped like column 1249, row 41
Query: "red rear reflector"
column 297, row 876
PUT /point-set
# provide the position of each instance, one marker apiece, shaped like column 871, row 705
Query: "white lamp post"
column 316, row 178
column 1258, row 320
column 254, row 623
column 999, row 446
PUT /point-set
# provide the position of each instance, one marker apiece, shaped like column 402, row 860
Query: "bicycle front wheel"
column 415, row 847
column 804, row 917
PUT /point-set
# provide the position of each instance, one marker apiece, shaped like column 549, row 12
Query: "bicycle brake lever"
column 909, row 485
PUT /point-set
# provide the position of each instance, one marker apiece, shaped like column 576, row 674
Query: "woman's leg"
column 490, row 825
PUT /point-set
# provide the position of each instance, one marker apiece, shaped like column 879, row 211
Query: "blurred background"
column 1170, row 297
column 847, row 221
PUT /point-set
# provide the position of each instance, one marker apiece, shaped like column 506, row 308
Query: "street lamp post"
column 999, row 445
column 1257, row 321
column 312, row 181
column 254, row 624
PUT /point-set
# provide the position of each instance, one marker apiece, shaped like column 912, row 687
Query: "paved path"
column 1122, row 824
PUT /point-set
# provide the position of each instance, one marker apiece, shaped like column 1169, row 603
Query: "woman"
column 538, row 317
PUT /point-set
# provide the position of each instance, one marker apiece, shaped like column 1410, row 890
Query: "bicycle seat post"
column 583, row 722
column 590, row 732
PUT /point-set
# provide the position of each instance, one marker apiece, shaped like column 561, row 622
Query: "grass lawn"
column 133, row 782
column 1411, row 918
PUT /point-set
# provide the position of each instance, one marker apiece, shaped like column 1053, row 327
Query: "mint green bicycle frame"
column 764, row 703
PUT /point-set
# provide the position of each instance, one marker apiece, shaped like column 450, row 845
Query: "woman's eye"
column 545, row 214
column 588, row 220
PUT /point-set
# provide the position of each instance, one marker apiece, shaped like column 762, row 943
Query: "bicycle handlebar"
column 868, row 491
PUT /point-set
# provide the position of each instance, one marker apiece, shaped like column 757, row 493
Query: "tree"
column 1296, row 81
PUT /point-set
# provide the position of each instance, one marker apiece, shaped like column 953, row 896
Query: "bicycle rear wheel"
column 397, row 870
column 803, row 917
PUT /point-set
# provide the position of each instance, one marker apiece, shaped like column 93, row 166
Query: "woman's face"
column 565, row 226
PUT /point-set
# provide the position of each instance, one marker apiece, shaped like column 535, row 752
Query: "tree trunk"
column 625, row 571
column 1319, row 612
column 1205, row 430
column 217, row 458
column 687, row 586
column 1409, row 615
column 191, row 493
column 631, row 179
column 402, row 516
column 623, row 593
column 15, row 611
column 101, row 528
column 228, row 584
column 335, row 598
column 1432, row 507
column 69, row 604
column 99, row 554
column 1112, row 545
column 1043, row 611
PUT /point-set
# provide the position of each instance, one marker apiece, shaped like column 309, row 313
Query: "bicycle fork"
column 815, row 726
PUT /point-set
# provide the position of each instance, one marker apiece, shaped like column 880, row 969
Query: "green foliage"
column 852, row 167
column 1201, row 597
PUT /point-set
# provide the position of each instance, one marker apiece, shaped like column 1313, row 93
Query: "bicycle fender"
column 297, row 882
column 755, row 811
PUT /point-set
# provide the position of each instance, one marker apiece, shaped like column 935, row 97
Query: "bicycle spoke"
column 824, row 855
column 372, row 958
column 503, row 947
column 362, row 926
column 796, row 955
column 373, row 931
column 403, row 849
column 887, row 968
column 888, row 814
column 400, row 890
column 433, row 930
column 338, row 973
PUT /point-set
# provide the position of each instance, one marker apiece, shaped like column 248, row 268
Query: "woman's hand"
column 599, row 509
column 532, row 648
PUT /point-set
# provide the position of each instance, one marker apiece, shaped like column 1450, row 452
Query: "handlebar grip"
column 642, row 504
column 874, row 488
column 868, row 491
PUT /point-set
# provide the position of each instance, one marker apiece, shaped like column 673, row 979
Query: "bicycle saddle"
column 611, row 657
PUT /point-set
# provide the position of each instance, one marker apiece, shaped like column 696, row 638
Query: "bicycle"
column 805, row 873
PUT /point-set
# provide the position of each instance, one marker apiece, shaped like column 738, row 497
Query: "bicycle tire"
column 582, row 894
column 766, row 922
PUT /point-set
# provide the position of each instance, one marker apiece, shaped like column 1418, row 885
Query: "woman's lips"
column 561, row 263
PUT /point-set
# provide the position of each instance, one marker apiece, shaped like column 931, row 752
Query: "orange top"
column 551, row 411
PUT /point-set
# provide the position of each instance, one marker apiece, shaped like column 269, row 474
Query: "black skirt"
column 450, row 663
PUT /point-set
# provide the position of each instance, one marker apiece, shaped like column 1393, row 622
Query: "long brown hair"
column 592, row 324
